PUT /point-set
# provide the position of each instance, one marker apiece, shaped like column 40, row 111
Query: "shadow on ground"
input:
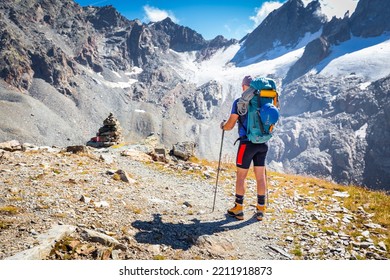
column 180, row 235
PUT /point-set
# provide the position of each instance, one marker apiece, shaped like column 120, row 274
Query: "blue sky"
column 230, row 18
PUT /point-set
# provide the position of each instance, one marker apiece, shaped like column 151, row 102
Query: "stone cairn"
column 109, row 134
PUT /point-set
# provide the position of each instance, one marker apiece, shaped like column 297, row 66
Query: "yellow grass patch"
column 9, row 210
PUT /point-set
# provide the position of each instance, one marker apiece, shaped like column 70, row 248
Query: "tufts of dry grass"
column 4, row 224
column 9, row 210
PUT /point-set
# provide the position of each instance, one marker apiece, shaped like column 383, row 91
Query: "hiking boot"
column 260, row 211
column 236, row 211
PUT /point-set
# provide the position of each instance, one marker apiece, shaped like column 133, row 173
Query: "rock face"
column 170, row 35
column 333, row 146
column 377, row 172
column 282, row 27
column 202, row 102
column 175, row 37
column 21, row 59
column 370, row 18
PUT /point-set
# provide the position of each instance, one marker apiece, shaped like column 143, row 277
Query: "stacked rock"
column 109, row 134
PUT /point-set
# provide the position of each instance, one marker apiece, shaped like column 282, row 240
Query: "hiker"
column 247, row 152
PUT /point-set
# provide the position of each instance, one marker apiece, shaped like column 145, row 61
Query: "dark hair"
column 246, row 81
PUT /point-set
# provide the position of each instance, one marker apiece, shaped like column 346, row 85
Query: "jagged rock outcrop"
column 315, row 51
column 371, row 18
column 337, row 30
column 200, row 103
column 282, row 27
column 214, row 45
column 176, row 37
column 170, row 35
column 105, row 18
column 15, row 65
column 27, row 52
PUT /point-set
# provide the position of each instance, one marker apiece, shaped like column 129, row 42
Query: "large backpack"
column 262, row 109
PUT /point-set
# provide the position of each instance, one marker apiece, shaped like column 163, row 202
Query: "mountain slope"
column 65, row 68
column 92, row 57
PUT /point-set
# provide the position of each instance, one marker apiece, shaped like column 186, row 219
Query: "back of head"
column 246, row 81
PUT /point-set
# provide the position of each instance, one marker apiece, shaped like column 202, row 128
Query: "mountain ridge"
column 284, row 26
column 79, row 65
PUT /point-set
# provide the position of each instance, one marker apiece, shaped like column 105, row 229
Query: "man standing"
column 247, row 152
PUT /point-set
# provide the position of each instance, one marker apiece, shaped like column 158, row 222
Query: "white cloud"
column 154, row 14
column 263, row 11
column 336, row 7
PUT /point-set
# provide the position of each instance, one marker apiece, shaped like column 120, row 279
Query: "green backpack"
column 263, row 112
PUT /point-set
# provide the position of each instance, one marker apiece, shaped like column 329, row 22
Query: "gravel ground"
column 161, row 210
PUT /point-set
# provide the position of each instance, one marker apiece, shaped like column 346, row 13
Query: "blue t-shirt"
column 242, row 120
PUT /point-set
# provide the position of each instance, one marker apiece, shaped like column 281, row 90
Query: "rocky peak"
column 168, row 35
column 106, row 17
column 371, row 18
column 214, row 45
column 179, row 38
column 220, row 42
column 337, row 30
column 167, row 23
column 284, row 26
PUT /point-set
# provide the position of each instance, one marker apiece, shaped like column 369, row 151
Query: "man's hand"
column 222, row 124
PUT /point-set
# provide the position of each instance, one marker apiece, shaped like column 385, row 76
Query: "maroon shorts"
column 248, row 152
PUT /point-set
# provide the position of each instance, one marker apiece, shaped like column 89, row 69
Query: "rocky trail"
column 129, row 202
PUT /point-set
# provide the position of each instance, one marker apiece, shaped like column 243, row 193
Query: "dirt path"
column 180, row 207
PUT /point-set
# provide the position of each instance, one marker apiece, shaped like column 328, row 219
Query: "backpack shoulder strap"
column 242, row 104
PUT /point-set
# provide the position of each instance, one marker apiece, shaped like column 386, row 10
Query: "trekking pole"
column 266, row 185
column 219, row 164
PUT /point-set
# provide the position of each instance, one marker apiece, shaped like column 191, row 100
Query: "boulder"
column 77, row 149
column 11, row 146
column 184, row 150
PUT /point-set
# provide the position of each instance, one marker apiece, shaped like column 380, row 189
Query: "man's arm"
column 231, row 122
